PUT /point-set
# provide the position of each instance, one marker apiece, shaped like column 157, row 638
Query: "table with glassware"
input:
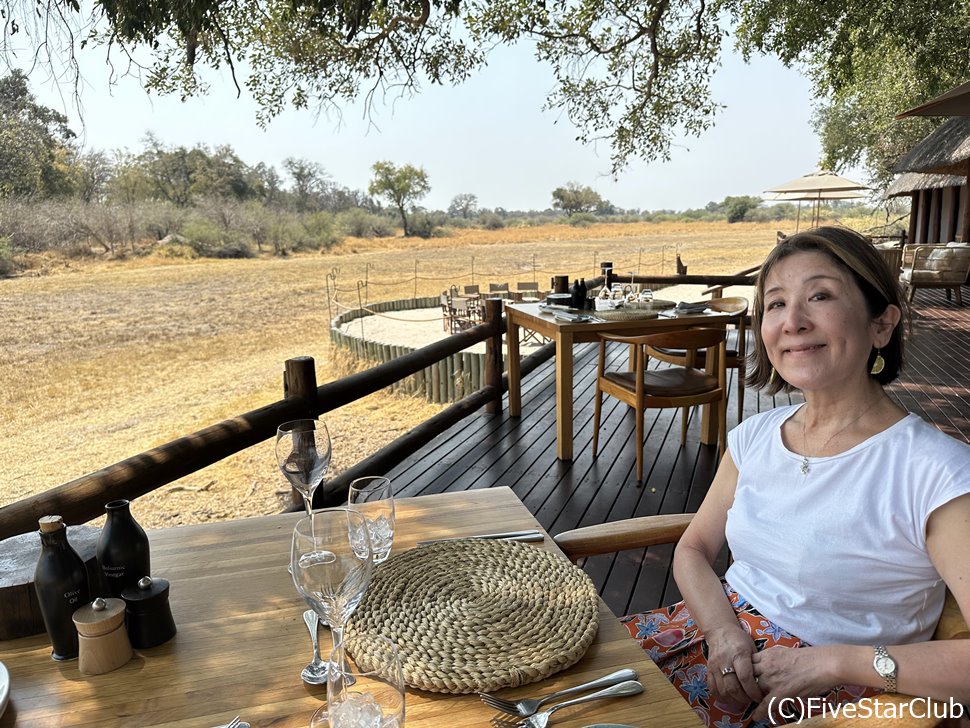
column 565, row 333
column 242, row 642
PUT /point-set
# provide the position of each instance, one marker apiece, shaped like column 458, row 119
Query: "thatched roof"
column 946, row 150
column 916, row 181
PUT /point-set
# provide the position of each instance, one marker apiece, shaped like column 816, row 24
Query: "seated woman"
column 846, row 516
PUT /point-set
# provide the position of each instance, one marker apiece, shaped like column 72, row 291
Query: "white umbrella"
column 817, row 186
column 955, row 102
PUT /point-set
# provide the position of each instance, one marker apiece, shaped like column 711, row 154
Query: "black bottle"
column 61, row 583
column 575, row 295
column 122, row 549
column 583, row 293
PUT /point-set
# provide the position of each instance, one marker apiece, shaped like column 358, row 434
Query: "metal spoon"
column 316, row 672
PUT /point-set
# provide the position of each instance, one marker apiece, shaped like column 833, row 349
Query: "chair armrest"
column 631, row 533
column 952, row 625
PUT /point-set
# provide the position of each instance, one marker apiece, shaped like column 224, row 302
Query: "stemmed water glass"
column 373, row 498
column 303, row 453
column 366, row 686
column 331, row 562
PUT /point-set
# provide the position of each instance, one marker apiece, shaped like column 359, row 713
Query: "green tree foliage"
column 575, row 198
column 401, row 186
column 869, row 61
column 631, row 72
column 36, row 144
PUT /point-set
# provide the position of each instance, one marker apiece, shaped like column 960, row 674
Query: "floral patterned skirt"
column 674, row 641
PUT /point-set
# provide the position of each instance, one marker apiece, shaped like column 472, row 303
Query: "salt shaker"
column 150, row 621
column 102, row 638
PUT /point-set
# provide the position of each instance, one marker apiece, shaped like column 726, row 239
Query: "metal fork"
column 528, row 706
column 541, row 720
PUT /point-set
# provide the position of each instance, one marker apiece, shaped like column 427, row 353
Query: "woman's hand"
column 784, row 672
column 732, row 649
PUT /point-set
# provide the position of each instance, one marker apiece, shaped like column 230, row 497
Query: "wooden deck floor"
column 485, row 451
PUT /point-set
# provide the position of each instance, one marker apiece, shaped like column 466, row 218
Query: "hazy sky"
column 488, row 137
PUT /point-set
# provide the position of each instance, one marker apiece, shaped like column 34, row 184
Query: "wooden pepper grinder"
column 102, row 638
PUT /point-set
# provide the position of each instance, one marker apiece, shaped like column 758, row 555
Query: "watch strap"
column 889, row 677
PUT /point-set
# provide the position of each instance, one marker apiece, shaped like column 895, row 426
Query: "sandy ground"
column 104, row 359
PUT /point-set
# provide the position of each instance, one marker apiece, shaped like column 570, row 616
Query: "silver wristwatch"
column 886, row 667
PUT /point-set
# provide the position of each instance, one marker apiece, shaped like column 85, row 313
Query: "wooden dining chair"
column 737, row 350
column 472, row 291
column 702, row 379
column 498, row 287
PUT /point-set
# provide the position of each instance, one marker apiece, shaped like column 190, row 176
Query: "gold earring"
column 774, row 376
column 878, row 364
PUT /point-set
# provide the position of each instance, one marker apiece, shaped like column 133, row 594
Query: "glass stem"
column 308, row 502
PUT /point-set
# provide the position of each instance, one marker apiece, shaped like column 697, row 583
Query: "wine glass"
column 303, row 453
column 331, row 563
column 372, row 497
column 366, row 686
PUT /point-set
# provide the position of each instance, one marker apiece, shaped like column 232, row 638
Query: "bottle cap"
column 49, row 524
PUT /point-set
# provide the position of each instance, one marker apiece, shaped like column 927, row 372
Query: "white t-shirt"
column 838, row 555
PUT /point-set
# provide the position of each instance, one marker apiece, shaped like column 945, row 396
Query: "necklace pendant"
column 804, row 466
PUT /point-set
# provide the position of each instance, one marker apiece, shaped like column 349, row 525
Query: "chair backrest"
column 471, row 290
column 690, row 340
column 527, row 286
column 498, row 287
column 444, row 299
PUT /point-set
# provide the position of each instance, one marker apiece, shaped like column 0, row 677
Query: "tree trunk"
column 404, row 219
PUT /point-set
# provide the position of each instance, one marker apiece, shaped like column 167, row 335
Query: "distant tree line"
column 201, row 201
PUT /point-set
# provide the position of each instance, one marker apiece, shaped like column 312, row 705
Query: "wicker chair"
column 935, row 266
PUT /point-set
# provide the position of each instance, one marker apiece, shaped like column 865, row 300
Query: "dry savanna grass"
column 103, row 360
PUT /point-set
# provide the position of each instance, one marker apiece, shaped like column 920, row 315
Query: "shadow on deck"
column 484, row 451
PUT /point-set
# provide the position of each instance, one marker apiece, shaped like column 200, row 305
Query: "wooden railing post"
column 493, row 354
column 300, row 382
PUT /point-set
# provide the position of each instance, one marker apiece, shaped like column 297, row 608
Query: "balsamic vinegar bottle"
column 61, row 583
column 122, row 549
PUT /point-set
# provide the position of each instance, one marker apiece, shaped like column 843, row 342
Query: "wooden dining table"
column 241, row 640
column 567, row 333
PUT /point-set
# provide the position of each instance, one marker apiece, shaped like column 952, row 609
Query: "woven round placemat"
column 479, row 615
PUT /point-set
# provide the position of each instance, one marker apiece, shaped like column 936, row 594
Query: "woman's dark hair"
column 878, row 284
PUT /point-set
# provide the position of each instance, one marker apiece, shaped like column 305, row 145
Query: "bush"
column 7, row 264
column 359, row 223
column 428, row 224
column 582, row 219
column 210, row 241
column 178, row 250
column 491, row 221
column 317, row 230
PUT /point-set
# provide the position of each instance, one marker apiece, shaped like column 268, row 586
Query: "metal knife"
column 528, row 536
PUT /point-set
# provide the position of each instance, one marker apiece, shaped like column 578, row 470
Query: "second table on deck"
column 565, row 334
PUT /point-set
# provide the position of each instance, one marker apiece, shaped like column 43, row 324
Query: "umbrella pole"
column 798, row 215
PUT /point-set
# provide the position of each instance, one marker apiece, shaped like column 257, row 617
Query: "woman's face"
column 816, row 327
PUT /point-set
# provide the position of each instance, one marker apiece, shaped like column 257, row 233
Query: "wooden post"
column 965, row 223
column 300, row 382
column 493, row 355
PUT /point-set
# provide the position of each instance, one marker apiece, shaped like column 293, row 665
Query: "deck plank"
column 485, row 450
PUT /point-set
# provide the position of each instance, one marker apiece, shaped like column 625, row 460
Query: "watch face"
column 885, row 665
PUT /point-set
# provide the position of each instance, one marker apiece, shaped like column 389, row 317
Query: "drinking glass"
column 303, row 453
column 331, row 563
column 372, row 497
column 366, row 687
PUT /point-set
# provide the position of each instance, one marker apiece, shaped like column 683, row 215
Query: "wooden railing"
column 83, row 499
